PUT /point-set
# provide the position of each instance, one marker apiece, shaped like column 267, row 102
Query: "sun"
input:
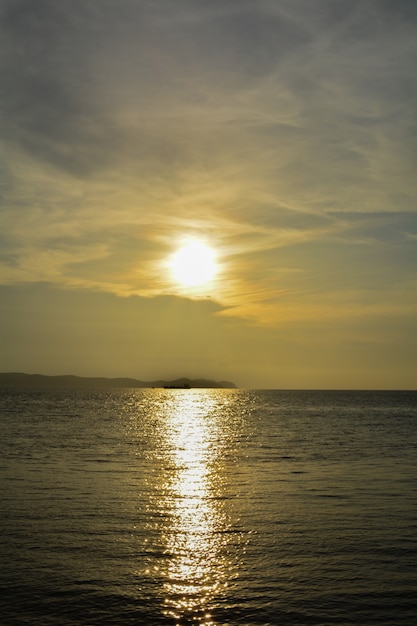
column 194, row 264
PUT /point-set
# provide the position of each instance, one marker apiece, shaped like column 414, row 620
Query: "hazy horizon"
column 192, row 378
column 280, row 135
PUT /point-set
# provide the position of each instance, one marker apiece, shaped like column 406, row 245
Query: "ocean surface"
column 208, row 507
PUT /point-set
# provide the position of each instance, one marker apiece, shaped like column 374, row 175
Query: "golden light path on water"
column 200, row 567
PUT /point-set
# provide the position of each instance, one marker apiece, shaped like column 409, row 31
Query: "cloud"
column 282, row 132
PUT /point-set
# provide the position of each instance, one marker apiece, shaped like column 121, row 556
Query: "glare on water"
column 196, row 535
column 191, row 525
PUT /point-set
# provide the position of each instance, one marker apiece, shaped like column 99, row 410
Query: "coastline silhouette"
column 18, row 379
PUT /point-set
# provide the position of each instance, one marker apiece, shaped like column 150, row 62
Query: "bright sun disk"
column 194, row 264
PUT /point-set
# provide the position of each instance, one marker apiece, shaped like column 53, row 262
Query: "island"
column 40, row 381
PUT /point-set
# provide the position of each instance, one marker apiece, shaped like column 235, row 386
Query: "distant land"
column 17, row 379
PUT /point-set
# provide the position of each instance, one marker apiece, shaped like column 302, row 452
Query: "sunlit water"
column 208, row 507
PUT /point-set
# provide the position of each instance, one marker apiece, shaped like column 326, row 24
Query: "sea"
column 208, row 507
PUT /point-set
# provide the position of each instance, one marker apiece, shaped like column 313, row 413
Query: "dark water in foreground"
column 208, row 507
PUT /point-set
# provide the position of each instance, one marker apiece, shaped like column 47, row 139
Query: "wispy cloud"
column 261, row 126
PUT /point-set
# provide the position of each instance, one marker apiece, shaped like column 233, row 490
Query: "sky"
column 279, row 133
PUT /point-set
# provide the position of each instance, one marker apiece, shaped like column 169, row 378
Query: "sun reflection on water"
column 195, row 540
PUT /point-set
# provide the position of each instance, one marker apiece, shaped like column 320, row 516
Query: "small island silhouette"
column 17, row 379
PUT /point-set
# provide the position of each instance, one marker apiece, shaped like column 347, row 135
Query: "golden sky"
column 279, row 133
